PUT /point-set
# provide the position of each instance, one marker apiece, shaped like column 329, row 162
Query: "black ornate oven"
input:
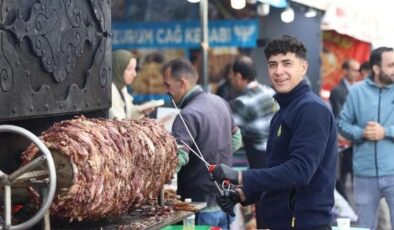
column 55, row 63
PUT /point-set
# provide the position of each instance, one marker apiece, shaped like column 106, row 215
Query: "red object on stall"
column 216, row 228
column 337, row 48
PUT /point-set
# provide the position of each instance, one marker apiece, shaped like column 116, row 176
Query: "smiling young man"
column 296, row 191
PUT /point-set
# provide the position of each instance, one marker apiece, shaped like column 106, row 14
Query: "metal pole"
column 204, row 42
column 7, row 206
column 26, row 168
column 46, row 223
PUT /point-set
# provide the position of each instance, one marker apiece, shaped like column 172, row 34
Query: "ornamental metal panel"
column 55, row 57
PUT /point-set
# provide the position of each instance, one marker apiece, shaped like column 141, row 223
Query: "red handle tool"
column 226, row 183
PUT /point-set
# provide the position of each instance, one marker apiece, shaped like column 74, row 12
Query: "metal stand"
column 24, row 175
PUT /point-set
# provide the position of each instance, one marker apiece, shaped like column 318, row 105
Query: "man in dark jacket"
column 337, row 99
column 339, row 93
column 296, row 191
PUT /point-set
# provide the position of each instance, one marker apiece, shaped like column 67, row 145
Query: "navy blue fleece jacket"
column 297, row 188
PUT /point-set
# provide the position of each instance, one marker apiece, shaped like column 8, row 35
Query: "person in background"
column 225, row 90
column 252, row 110
column 337, row 99
column 123, row 74
column 339, row 93
column 383, row 209
column 367, row 119
column 208, row 117
column 365, row 70
column 296, row 189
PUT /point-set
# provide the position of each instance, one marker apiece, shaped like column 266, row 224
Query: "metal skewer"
column 199, row 154
column 195, row 153
column 187, row 129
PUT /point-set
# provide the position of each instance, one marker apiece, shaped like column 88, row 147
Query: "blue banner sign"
column 185, row 34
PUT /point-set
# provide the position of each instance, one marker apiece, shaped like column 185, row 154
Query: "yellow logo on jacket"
column 279, row 131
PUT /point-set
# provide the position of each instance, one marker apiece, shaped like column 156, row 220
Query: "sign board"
column 185, row 34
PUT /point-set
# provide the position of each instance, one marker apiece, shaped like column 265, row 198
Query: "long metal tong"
column 198, row 154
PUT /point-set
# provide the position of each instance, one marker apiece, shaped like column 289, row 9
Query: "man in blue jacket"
column 296, row 191
column 367, row 119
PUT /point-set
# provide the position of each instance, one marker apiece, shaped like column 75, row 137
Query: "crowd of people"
column 294, row 141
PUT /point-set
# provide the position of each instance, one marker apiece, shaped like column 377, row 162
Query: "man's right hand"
column 223, row 172
column 373, row 131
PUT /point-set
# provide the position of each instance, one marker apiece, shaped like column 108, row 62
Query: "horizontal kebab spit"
column 106, row 167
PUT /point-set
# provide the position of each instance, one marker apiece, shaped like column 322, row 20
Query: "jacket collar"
column 286, row 98
column 346, row 84
column 369, row 80
column 194, row 91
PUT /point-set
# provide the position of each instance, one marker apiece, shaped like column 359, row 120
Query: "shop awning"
column 366, row 20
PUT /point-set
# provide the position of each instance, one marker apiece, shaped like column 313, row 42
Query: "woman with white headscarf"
column 123, row 73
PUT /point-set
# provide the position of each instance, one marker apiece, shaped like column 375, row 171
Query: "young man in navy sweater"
column 296, row 190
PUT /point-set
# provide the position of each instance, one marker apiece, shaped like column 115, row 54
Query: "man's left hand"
column 229, row 200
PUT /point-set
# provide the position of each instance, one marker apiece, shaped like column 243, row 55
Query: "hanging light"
column 310, row 13
column 275, row 3
column 287, row 15
column 238, row 4
column 193, row 1
column 263, row 9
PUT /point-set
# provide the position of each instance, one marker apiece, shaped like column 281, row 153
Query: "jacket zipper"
column 376, row 143
column 293, row 219
column 291, row 204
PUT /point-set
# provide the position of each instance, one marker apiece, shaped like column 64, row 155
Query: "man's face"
column 286, row 71
column 352, row 74
column 385, row 73
column 173, row 86
column 235, row 79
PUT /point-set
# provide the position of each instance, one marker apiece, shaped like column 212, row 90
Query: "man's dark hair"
column 285, row 44
column 244, row 65
column 346, row 64
column 227, row 70
column 181, row 68
column 376, row 57
column 365, row 66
